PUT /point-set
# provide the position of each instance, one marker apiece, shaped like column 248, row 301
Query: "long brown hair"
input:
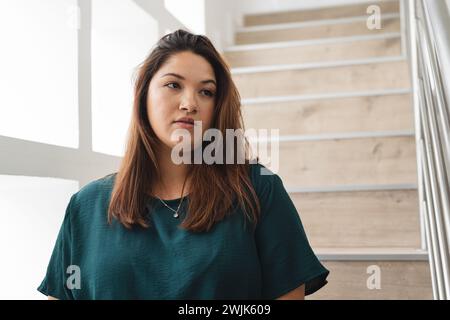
column 215, row 188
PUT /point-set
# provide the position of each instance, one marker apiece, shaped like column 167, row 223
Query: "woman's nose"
column 188, row 105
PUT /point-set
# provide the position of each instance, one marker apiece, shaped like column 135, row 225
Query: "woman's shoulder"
column 263, row 178
column 94, row 191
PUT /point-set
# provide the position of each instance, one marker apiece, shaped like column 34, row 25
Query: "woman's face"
column 190, row 94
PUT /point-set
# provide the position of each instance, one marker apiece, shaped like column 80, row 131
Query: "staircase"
column 340, row 95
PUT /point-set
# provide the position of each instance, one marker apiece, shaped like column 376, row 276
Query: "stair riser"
column 316, row 53
column 375, row 113
column 318, row 14
column 399, row 280
column 365, row 77
column 378, row 219
column 357, row 28
column 327, row 163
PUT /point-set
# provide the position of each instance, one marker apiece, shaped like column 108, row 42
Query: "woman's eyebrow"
column 182, row 78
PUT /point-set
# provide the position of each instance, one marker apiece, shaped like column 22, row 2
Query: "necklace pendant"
column 176, row 215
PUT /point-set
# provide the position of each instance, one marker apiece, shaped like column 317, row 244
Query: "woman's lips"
column 185, row 125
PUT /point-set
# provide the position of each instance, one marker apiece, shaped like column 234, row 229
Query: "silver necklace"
column 176, row 215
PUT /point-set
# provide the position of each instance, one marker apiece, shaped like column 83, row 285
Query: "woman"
column 160, row 229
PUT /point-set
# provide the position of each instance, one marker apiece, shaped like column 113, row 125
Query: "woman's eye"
column 170, row 84
column 209, row 93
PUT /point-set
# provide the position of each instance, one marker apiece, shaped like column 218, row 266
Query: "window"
column 122, row 36
column 38, row 81
column 31, row 211
column 39, row 116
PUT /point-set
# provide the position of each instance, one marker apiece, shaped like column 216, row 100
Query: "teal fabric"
column 231, row 261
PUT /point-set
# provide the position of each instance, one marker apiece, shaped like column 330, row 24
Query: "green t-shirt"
column 231, row 261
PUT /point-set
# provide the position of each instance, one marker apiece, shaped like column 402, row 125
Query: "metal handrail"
column 429, row 52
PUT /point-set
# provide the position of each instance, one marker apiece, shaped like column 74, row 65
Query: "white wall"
column 191, row 13
column 221, row 19
column 214, row 18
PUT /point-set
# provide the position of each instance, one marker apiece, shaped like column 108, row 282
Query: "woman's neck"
column 172, row 176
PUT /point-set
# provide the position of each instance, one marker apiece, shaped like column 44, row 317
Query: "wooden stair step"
column 355, row 114
column 343, row 11
column 369, row 161
column 338, row 29
column 379, row 218
column 294, row 80
column 345, row 49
